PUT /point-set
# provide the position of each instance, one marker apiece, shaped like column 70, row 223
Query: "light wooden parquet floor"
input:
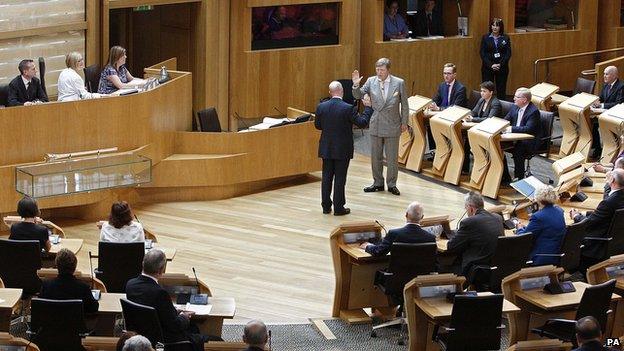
column 270, row 250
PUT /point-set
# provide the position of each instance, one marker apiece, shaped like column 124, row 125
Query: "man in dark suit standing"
column 26, row 89
column 524, row 118
column 335, row 119
column 612, row 93
column 599, row 221
column 429, row 21
column 411, row 233
column 475, row 240
column 145, row 290
column 255, row 336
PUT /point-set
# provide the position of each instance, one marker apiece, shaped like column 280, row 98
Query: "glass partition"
column 543, row 15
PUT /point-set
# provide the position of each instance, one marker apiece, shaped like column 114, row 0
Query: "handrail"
column 548, row 59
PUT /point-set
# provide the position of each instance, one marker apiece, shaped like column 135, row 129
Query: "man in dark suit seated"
column 524, row 118
column 335, row 118
column 429, row 21
column 410, row 233
column 599, row 221
column 474, row 242
column 255, row 336
column 26, row 89
column 176, row 325
column 589, row 335
column 612, row 93
column 66, row 286
column 450, row 92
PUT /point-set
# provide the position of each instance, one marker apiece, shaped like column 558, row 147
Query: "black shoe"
column 344, row 211
column 326, row 210
column 394, row 190
column 373, row 188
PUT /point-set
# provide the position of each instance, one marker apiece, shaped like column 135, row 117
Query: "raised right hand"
column 355, row 77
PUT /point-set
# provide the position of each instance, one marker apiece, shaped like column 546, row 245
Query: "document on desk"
column 527, row 186
column 200, row 310
column 267, row 122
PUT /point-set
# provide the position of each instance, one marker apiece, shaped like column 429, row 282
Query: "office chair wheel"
column 373, row 334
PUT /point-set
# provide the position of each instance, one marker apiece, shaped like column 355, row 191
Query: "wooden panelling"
column 608, row 24
column 26, row 14
column 116, row 4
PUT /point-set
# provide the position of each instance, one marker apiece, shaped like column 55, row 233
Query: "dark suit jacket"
column 420, row 29
column 476, row 238
column 458, row 94
column 530, row 124
column 593, row 346
column 335, row 119
column 548, row 228
column 18, row 94
column 67, row 287
column 489, row 50
column 598, row 223
column 147, row 292
column 410, row 233
column 493, row 109
column 615, row 96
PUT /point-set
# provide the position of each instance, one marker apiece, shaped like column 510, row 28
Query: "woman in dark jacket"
column 495, row 55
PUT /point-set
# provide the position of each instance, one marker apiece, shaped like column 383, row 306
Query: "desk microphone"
column 196, row 280
column 198, row 299
column 242, row 120
column 382, row 226
column 280, row 112
column 459, row 220
column 92, row 272
column 270, row 347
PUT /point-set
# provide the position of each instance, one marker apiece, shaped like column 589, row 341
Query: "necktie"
column 520, row 115
column 428, row 24
column 445, row 98
column 607, row 90
column 383, row 89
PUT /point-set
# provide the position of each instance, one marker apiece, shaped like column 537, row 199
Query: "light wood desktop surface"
column 555, row 302
column 73, row 245
column 8, row 299
column 438, row 308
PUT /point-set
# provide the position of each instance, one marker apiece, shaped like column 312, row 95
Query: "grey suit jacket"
column 388, row 115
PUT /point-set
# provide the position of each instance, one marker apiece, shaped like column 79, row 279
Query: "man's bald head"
column 414, row 212
column 255, row 334
column 618, row 179
column 587, row 329
column 610, row 74
column 336, row 89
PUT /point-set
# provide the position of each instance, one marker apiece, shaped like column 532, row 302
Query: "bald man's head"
column 414, row 212
column 618, row 179
column 587, row 329
column 255, row 334
column 336, row 89
column 610, row 74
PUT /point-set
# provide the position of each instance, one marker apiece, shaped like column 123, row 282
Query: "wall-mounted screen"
column 287, row 26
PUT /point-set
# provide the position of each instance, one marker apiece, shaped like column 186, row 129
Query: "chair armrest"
column 559, row 320
column 550, row 255
column 593, row 238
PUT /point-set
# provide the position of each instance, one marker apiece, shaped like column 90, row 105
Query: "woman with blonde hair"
column 71, row 86
column 547, row 225
column 115, row 75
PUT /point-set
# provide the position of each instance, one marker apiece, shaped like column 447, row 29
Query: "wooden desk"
column 7, row 339
column 541, row 345
column 598, row 273
column 576, row 122
column 8, row 300
column 73, row 245
column 610, row 123
column 542, row 95
column 51, row 273
column 417, row 105
column 439, row 309
column 516, row 137
column 10, row 220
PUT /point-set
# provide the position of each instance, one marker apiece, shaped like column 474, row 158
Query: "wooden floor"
column 270, row 250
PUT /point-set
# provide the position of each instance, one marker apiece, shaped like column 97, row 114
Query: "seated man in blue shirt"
column 394, row 24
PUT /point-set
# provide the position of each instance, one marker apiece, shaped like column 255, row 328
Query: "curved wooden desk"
column 9, row 298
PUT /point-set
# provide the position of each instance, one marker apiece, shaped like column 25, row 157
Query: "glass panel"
column 534, row 283
column 541, row 15
column 436, row 291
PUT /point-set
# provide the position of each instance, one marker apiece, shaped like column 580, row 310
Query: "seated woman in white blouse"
column 71, row 86
column 120, row 226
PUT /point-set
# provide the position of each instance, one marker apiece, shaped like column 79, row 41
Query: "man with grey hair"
column 389, row 120
column 619, row 164
column 524, row 118
column 612, row 93
column 137, row 343
column 335, row 118
column 474, row 242
column 255, row 336
column 599, row 221
column 410, row 233
column 145, row 290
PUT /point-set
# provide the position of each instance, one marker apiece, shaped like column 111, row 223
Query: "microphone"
column 413, row 82
column 242, row 120
column 459, row 220
column 282, row 114
column 196, row 280
column 270, row 347
column 382, row 226
column 199, row 298
column 92, row 272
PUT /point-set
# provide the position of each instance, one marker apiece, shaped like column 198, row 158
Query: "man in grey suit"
column 390, row 112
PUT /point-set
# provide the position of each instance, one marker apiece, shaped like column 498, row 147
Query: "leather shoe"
column 344, row 211
column 326, row 210
column 394, row 190
column 373, row 188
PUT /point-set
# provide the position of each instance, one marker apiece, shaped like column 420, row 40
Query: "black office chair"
column 57, row 324
column 42, row 72
column 544, row 141
column 118, row 263
column 475, row 95
column 505, row 107
column 570, row 249
column 475, row 324
column 511, row 255
column 595, row 302
column 208, row 120
column 613, row 244
column 406, row 262
column 143, row 320
column 584, row 85
column 19, row 262
column 92, row 78
column 4, row 95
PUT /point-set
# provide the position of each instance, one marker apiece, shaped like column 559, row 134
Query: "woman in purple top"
column 115, row 75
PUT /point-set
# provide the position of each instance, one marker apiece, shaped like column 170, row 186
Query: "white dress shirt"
column 26, row 82
column 520, row 115
column 71, row 87
column 132, row 232
column 385, row 86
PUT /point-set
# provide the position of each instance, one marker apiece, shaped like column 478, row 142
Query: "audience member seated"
column 589, row 335
column 619, row 164
column 474, row 242
column 121, row 227
column 547, row 225
column 137, row 343
column 71, row 86
column 429, row 21
column 26, row 89
column 450, row 92
column 115, row 75
column 599, row 220
column 145, row 290
column 612, row 94
column 255, row 336
column 394, row 24
column 122, row 339
column 66, row 286
column 411, row 233
column 524, row 118
column 30, row 228
column 488, row 105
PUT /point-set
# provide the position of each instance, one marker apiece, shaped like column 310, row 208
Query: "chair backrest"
column 409, row 260
column 616, row 233
column 142, row 320
column 19, row 262
column 4, row 95
column 505, row 106
column 475, row 95
column 209, row 120
column 476, row 321
column 547, row 120
column 57, row 324
column 118, row 263
column 347, row 85
column 571, row 246
column 595, row 302
column 92, row 78
column 511, row 255
column 584, row 85
column 42, row 72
